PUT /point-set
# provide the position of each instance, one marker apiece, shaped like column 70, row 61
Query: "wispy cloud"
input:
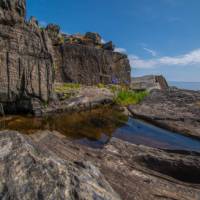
column 151, row 51
column 120, row 50
column 190, row 58
column 42, row 23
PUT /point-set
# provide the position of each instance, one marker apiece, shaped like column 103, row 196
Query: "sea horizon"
column 185, row 85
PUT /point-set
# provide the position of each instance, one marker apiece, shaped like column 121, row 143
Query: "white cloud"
column 42, row 23
column 152, row 52
column 120, row 50
column 103, row 41
column 191, row 58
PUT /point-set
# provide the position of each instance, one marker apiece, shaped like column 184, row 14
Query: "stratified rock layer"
column 135, row 172
column 26, row 65
column 149, row 83
column 28, row 173
column 174, row 109
column 89, row 65
column 85, row 59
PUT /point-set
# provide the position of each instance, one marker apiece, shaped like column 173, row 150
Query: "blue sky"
column 159, row 36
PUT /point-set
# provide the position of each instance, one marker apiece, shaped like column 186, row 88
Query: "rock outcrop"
column 85, row 59
column 27, row 172
column 134, row 172
column 26, row 64
column 173, row 109
column 149, row 83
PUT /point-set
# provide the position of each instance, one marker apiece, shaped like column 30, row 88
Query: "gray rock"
column 174, row 109
column 27, row 172
column 134, row 171
column 26, row 65
column 89, row 65
column 149, row 83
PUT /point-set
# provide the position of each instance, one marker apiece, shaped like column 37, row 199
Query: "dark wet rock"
column 28, row 172
column 149, row 83
column 1, row 110
column 135, row 172
column 174, row 109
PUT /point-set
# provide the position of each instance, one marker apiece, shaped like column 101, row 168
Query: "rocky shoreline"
column 134, row 172
column 173, row 109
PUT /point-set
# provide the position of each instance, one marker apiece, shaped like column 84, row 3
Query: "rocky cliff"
column 33, row 58
column 25, row 59
column 85, row 59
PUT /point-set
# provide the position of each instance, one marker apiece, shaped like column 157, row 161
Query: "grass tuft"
column 128, row 97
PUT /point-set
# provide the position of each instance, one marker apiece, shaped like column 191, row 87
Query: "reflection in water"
column 95, row 128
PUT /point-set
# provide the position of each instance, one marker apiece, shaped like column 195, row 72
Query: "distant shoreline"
column 185, row 85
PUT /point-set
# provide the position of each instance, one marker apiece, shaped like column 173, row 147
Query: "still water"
column 95, row 128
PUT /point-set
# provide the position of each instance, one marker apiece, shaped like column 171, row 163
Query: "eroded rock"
column 134, row 171
column 174, row 109
column 26, row 64
column 149, row 83
column 27, row 172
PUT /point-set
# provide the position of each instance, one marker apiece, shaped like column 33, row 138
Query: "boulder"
column 149, row 83
column 109, row 46
column 95, row 37
column 28, row 172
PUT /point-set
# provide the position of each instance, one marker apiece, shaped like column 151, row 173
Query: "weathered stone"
column 81, row 99
column 95, row 37
column 134, row 171
column 28, row 172
column 174, row 109
column 26, row 65
column 149, row 83
column 12, row 11
column 109, row 46
column 89, row 65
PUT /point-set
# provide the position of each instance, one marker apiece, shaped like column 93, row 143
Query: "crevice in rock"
column 178, row 169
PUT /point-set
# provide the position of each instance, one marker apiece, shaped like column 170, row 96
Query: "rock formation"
column 27, row 172
column 173, row 109
column 30, row 55
column 85, row 59
column 149, row 83
column 134, row 171
column 25, row 59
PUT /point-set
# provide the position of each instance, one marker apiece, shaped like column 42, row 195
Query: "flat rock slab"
column 28, row 172
column 173, row 109
column 134, row 172
column 85, row 98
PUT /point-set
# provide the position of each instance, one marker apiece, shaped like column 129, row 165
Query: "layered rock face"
column 85, row 59
column 28, row 172
column 25, row 59
column 89, row 65
column 149, row 83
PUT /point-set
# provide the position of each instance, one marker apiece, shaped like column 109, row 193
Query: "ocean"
column 185, row 85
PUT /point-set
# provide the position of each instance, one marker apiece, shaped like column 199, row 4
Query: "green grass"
column 67, row 86
column 127, row 97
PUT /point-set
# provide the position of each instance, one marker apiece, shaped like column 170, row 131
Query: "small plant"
column 127, row 97
column 101, row 85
